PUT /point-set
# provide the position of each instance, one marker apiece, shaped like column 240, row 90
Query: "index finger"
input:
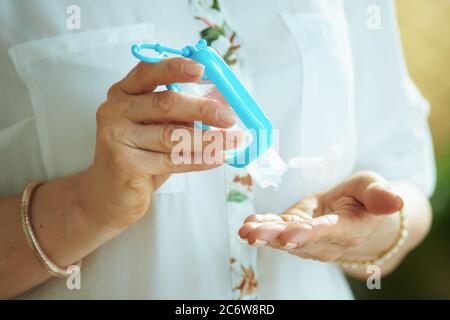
column 145, row 77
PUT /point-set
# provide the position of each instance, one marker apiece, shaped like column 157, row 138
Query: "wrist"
column 91, row 213
column 63, row 229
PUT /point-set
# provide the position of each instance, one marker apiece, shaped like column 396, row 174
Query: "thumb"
column 380, row 200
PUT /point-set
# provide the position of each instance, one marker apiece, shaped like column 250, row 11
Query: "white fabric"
column 336, row 90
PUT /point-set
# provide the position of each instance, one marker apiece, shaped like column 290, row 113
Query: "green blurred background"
column 425, row 273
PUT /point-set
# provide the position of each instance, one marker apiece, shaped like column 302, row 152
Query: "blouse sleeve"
column 391, row 115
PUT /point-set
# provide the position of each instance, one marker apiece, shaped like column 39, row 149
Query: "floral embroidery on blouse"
column 241, row 195
column 245, row 181
column 236, row 196
column 248, row 284
column 210, row 19
column 216, row 30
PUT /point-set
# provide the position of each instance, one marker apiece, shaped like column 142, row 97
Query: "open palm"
column 331, row 224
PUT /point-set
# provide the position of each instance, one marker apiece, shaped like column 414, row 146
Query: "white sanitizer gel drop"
column 267, row 169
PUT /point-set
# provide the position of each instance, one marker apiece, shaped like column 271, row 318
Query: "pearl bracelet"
column 52, row 268
column 385, row 256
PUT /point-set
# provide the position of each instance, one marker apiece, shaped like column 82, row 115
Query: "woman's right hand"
column 134, row 140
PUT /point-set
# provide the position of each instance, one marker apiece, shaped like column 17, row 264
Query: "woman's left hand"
column 353, row 220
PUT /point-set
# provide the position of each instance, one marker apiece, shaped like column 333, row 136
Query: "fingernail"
column 289, row 246
column 193, row 69
column 328, row 219
column 305, row 226
column 259, row 243
column 227, row 116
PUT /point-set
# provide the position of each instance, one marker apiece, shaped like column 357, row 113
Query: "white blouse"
column 336, row 86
